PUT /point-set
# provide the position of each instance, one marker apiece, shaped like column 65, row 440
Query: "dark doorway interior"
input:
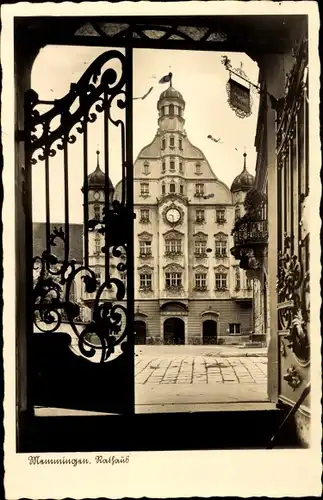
column 140, row 329
column 210, row 331
column 174, row 331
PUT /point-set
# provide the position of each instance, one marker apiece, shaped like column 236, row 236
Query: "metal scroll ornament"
column 55, row 279
column 293, row 306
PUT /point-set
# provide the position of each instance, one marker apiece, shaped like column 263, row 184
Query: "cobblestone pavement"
column 200, row 370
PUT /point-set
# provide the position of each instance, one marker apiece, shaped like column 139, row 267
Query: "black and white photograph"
column 161, row 181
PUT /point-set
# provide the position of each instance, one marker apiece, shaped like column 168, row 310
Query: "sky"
column 199, row 76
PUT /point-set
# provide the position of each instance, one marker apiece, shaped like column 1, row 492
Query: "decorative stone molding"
column 145, row 236
column 220, row 236
column 200, row 236
column 173, row 267
column 173, row 234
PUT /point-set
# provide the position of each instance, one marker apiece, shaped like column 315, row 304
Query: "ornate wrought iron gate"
column 92, row 366
column 293, row 233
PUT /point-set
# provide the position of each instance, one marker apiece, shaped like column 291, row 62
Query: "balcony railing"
column 250, row 236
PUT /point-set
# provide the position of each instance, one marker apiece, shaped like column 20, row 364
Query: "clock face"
column 96, row 195
column 173, row 215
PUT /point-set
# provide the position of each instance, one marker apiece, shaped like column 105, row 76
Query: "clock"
column 96, row 195
column 173, row 215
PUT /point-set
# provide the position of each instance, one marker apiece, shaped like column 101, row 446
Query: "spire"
column 97, row 159
column 244, row 161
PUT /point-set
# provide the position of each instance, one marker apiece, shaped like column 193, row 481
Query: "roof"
column 171, row 93
column 243, row 181
column 76, row 241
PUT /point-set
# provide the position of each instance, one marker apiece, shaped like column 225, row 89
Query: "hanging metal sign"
column 239, row 98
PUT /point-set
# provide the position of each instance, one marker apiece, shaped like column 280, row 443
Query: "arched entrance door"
column 140, row 332
column 174, row 331
column 210, row 331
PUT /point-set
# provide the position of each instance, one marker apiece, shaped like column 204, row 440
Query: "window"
column 220, row 281
column 164, row 144
column 199, row 189
column 180, row 144
column 163, row 188
column 248, row 284
column 172, row 165
column 145, row 281
column 144, row 189
column 181, row 189
column 237, row 214
column 181, row 167
column 200, row 281
column 145, row 248
column 97, row 244
column 162, row 111
column 220, row 216
column 97, row 214
column 146, row 168
column 173, row 280
column 220, row 248
column 163, row 167
column 144, row 215
column 172, row 188
column 123, row 277
column 200, row 248
column 238, row 280
column 172, row 142
column 173, row 246
column 200, row 216
column 171, row 109
column 234, row 328
column 197, row 168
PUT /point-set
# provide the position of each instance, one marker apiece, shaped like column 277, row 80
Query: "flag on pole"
column 166, row 78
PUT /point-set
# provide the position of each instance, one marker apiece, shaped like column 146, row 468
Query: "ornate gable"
column 221, row 269
column 200, row 269
column 200, row 236
column 173, row 268
column 220, row 236
column 145, row 236
column 173, row 234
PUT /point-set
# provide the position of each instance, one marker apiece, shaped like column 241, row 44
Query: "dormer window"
column 146, row 168
column 172, row 188
column 171, row 142
column 163, row 143
column 199, row 190
column 197, row 168
column 172, row 165
column 171, row 109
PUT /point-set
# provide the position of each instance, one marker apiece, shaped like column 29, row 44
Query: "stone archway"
column 174, row 331
column 140, row 332
column 210, row 331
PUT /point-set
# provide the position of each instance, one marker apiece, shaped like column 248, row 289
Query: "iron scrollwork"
column 293, row 378
column 54, row 278
column 293, row 305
